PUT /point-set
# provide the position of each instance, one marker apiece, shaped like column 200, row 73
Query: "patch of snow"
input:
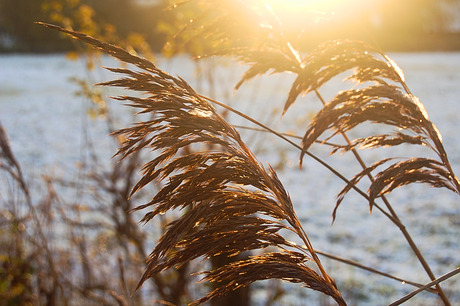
column 49, row 129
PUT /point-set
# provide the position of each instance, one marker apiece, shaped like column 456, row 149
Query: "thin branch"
column 375, row 271
column 435, row 282
column 316, row 158
column 327, row 143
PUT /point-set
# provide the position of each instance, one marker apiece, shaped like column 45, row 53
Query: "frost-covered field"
column 49, row 129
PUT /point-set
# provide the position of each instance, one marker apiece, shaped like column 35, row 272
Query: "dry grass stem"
column 231, row 203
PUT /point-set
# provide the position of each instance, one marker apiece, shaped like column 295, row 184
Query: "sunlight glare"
column 322, row 6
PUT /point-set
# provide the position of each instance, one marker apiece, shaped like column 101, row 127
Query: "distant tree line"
column 408, row 25
column 19, row 33
column 393, row 25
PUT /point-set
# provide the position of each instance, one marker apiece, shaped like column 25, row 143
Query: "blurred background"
column 410, row 25
column 66, row 234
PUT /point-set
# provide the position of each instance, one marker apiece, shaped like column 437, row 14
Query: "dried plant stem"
column 297, row 226
column 18, row 176
column 284, row 134
column 443, row 156
column 341, row 259
column 425, row 265
column 362, row 193
column 359, row 159
column 316, row 158
column 361, row 266
column 280, row 135
column 313, row 253
column 434, row 282
column 399, row 224
column 184, row 118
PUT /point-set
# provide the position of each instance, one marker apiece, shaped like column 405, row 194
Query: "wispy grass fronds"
column 384, row 98
column 230, row 202
column 288, row 265
column 247, row 30
column 391, row 106
column 332, row 58
column 210, row 27
column 9, row 163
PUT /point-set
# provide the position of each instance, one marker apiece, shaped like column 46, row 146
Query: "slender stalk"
column 393, row 213
column 358, row 158
column 331, row 256
column 265, row 127
column 392, row 216
column 284, row 134
column 306, row 152
column 395, row 220
column 434, row 282
column 361, row 266
column 296, row 225
column 18, row 176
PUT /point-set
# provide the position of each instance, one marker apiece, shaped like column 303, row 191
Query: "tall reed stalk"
column 233, row 204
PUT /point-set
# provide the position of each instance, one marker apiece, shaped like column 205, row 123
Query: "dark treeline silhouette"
column 392, row 25
column 18, row 32
column 412, row 25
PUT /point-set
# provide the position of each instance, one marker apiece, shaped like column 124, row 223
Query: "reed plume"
column 9, row 163
column 231, row 203
column 383, row 97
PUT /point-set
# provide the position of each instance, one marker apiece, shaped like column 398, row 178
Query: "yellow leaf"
column 72, row 55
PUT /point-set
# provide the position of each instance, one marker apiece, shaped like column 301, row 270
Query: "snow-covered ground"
column 49, row 129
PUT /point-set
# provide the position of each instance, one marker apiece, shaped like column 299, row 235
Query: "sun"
column 330, row 15
column 321, row 6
